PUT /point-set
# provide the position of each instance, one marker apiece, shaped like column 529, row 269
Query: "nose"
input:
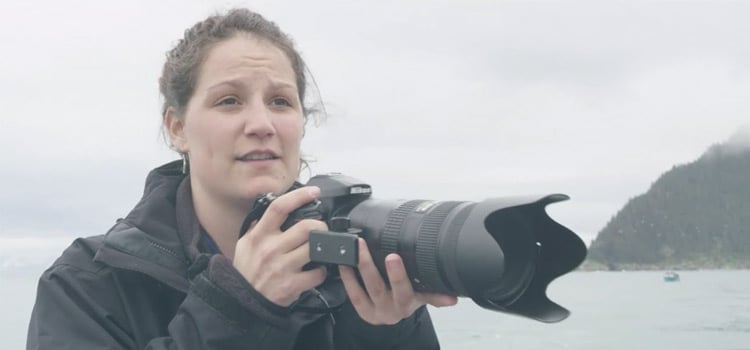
column 258, row 120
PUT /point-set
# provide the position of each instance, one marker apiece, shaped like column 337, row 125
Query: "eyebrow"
column 231, row 83
column 239, row 84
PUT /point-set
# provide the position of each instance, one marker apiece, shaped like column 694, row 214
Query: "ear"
column 175, row 127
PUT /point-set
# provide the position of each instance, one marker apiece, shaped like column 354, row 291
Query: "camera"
column 501, row 252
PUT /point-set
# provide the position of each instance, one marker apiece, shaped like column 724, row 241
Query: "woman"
column 173, row 273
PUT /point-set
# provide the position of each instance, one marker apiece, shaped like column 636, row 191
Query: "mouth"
column 258, row 156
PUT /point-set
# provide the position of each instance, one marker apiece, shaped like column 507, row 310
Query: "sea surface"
column 610, row 310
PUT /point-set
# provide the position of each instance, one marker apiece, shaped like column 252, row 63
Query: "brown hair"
column 183, row 63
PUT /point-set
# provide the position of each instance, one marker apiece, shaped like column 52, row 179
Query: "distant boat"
column 671, row 276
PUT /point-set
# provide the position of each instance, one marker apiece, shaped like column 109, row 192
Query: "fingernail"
column 391, row 262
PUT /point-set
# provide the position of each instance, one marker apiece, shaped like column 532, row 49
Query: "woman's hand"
column 272, row 260
column 379, row 305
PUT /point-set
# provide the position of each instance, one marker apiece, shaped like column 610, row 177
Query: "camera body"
column 338, row 194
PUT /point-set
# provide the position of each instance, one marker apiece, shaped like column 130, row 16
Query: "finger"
column 438, row 300
column 311, row 278
column 296, row 259
column 357, row 295
column 374, row 283
column 280, row 208
column 299, row 234
column 244, row 237
column 403, row 293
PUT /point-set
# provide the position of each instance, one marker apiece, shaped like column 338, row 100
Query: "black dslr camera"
column 501, row 252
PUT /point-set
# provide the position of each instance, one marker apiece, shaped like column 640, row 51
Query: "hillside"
column 695, row 215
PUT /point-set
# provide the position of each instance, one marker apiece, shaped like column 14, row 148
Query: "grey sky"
column 439, row 100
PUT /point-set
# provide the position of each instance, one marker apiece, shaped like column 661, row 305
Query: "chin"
column 266, row 184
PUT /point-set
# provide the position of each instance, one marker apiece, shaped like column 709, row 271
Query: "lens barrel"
column 501, row 252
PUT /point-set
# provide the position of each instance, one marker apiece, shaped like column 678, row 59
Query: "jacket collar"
column 149, row 239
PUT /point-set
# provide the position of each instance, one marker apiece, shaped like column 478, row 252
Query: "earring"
column 185, row 165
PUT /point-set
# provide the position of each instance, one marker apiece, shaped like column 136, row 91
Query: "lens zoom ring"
column 392, row 228
column 427, row 246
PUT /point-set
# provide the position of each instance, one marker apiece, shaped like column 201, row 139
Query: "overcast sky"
column 432, row 99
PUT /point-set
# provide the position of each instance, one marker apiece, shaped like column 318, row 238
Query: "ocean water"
column 616, row 310
column 610, row 310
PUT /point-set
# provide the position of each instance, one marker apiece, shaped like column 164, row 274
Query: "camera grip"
column 310, row 210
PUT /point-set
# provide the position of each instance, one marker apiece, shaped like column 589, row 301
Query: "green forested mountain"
column 695, row 215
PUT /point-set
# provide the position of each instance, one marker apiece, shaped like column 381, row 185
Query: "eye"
column 280, row 101
column 228, row 101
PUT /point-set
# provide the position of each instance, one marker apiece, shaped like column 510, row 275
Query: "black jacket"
column 146, row 285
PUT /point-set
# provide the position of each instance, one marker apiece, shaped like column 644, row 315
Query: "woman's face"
column 243, row 125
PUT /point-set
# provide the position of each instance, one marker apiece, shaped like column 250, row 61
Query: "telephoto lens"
column 501, row 252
